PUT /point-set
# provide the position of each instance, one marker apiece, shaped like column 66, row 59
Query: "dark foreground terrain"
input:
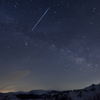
column 90, row 93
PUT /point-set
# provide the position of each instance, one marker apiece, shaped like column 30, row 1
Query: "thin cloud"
column 7, row 80
column 17, row 75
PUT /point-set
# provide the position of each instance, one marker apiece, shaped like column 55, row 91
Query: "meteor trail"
column 40, row 19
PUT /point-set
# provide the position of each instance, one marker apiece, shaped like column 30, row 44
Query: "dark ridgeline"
column 89, row 93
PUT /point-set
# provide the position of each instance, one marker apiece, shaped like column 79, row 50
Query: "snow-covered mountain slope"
column 89, row 93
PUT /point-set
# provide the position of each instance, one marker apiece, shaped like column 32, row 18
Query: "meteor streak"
column 40, row 19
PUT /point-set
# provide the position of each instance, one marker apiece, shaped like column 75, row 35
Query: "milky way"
column 61, row 53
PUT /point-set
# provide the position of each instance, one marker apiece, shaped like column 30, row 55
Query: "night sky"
column 61, row 53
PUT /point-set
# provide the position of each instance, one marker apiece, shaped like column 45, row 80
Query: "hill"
column 89, row 93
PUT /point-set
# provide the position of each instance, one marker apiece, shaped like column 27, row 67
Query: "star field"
column 61, row 53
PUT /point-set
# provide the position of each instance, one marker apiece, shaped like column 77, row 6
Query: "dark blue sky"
column 61, row 53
